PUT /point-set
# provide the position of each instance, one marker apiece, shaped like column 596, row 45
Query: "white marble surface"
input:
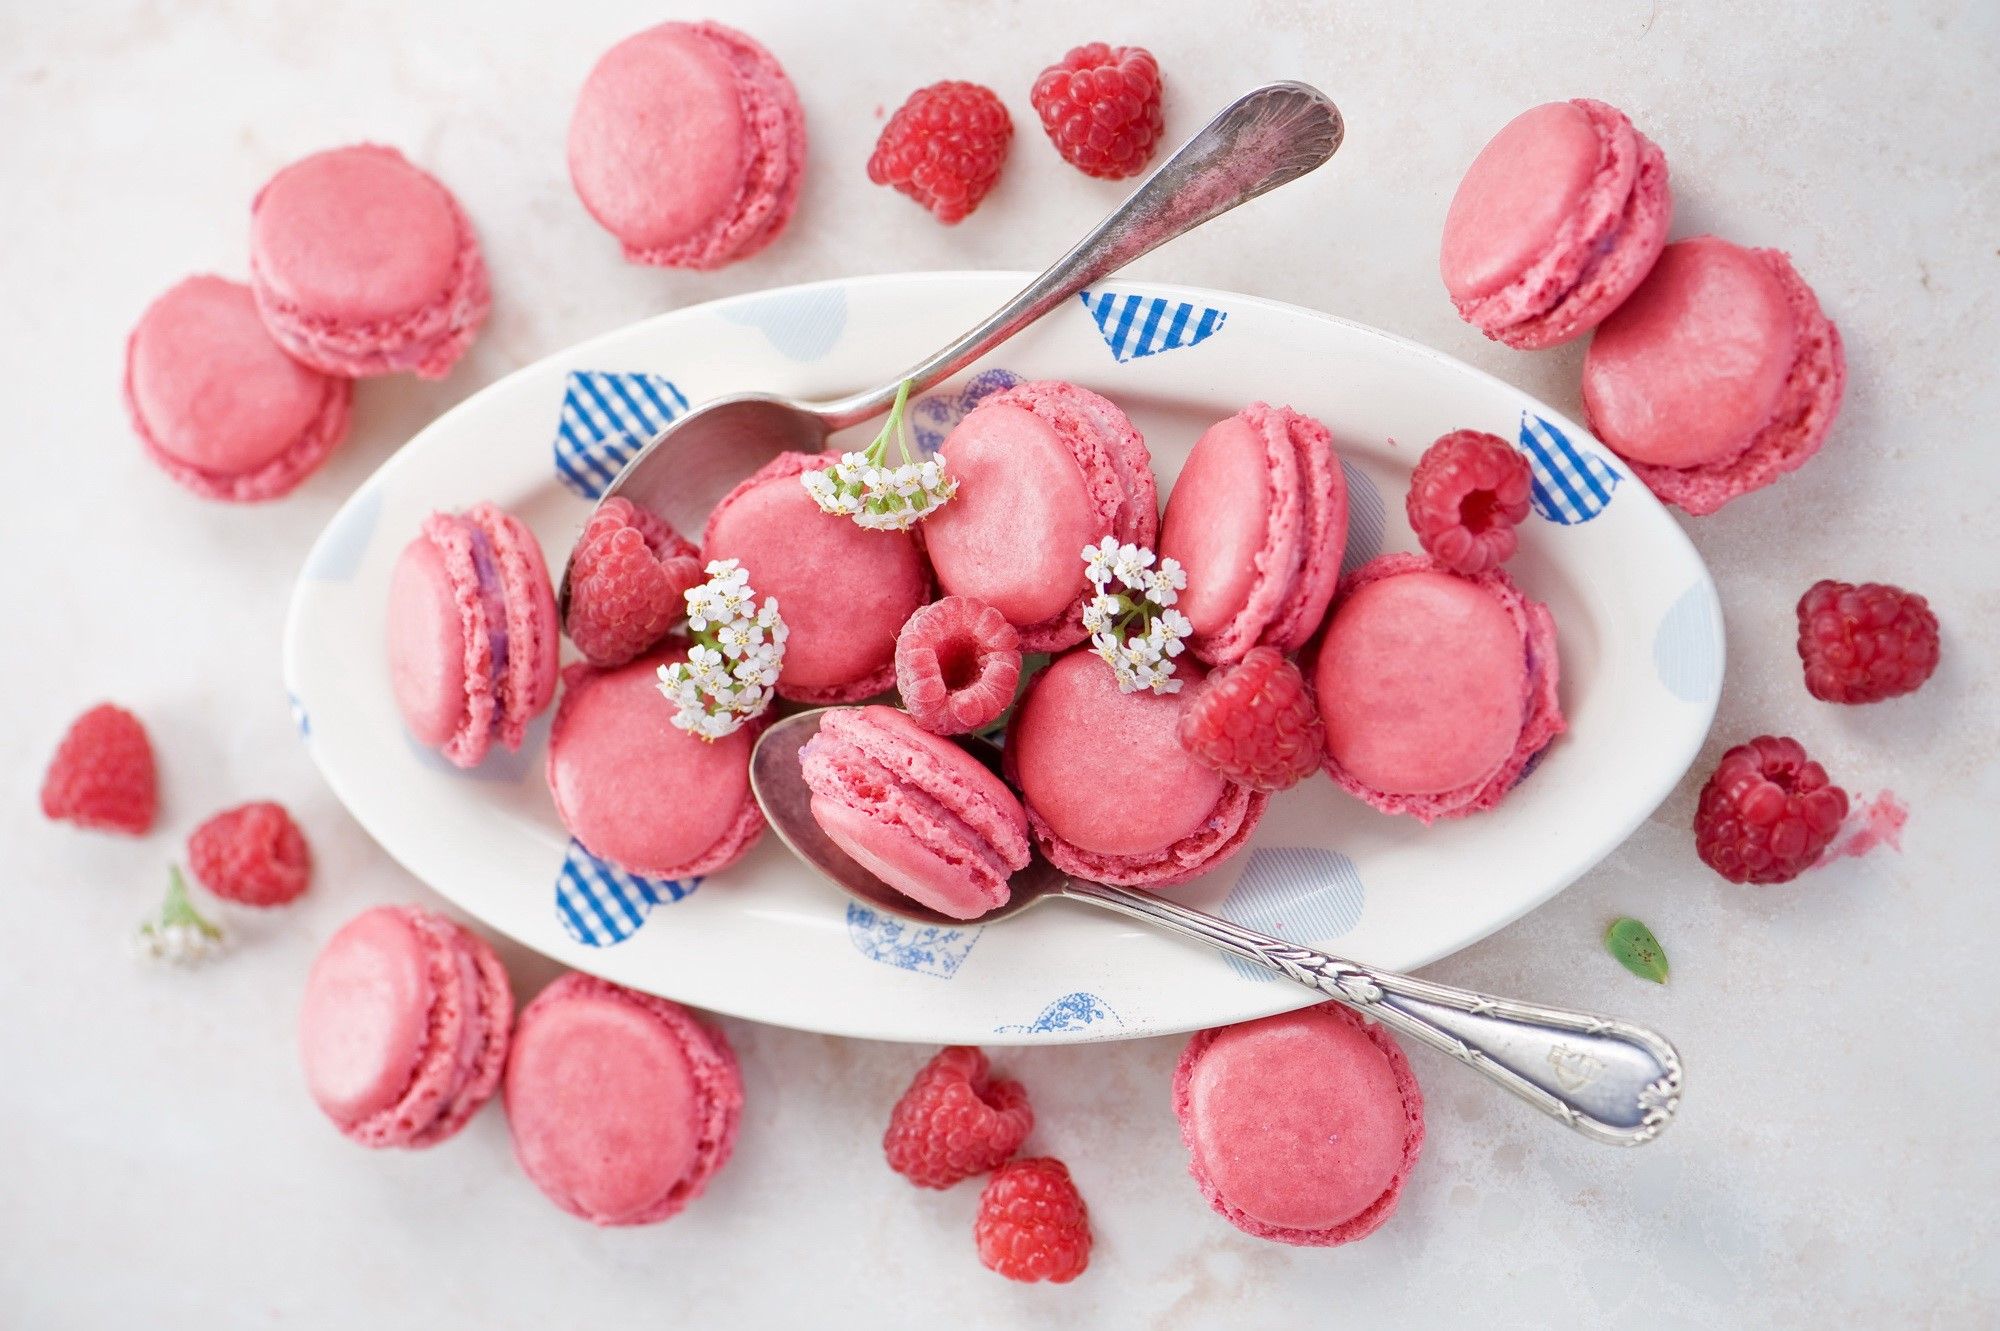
column 1834, row 1162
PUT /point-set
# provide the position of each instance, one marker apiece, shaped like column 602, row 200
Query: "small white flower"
column 1137, row 631
column 178, row 933
column 731, row 670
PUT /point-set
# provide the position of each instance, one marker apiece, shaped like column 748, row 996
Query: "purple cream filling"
column 493, row 602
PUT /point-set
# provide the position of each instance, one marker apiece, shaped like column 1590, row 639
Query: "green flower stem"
column 178, row 908
column 878, row 452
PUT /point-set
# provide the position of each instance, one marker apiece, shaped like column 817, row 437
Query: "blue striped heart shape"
column 606, row 419
column 601, row 905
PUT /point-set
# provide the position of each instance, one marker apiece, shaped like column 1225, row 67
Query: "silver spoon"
column 1611, row 1081
column 1264, row 139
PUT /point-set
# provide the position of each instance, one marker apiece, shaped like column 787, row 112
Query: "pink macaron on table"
column 1298, row 432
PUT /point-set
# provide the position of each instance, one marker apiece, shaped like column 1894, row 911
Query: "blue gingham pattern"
column 1570, row 485
column 1687, row 647
column 1366, row 517
column 1071, row 1012
column 601, row 905
column 606, row 419
column 933, row 415
column 1303, row 894
column 1133, row 325
column 927, row 949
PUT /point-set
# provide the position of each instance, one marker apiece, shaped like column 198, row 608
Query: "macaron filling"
column 493, row 608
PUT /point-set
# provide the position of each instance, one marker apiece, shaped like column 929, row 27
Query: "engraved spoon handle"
column 1611, row 1081
column 1266, row 138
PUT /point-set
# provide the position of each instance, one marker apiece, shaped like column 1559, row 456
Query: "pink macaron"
column 1557, row 220
column 639, row 791
column 1044, row 469
column 688, row 145
column 1111, row 793
column 218, row 404
column 844, row 591
column 622, row 1105
column 403, row 1031
column 1258, row 519
column 1301, row 1128
column 915, row 810
column 1718, row 376
column 472, row 633
column 1436, row 690
column 364, row 265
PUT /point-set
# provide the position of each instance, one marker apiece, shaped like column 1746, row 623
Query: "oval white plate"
column 1641, row 638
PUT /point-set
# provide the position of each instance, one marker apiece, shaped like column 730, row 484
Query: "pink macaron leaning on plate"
column 404, row 1027
column 639, row 791
column 1436, row 690
column 915, row 810
column 364, row 264
column 688, row 145
column 1718, row 376
column 1111, row 793
column 472, row 633
column 218, row 404
column 1557, row 220
column 1301, row 1128
column 622, row 1106
column 1258, row 520
column 1044, row 469
column 843, row 590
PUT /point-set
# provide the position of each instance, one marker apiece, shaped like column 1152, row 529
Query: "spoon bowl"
column 1609, row 1080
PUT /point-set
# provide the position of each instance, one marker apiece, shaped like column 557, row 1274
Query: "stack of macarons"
column 1713, row 370
column 361, row 264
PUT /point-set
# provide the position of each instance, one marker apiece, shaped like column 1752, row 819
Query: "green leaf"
column 1637, row 950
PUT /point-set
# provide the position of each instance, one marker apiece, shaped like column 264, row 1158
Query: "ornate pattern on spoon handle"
column 1609, row 1080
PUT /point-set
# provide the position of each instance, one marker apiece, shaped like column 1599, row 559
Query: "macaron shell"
column 451, row 535
column 218, row 404
column 363, row 264
column 1556, row 221
column 1301, row 1128
column 393, row 1030
column 844, row 591
column 640, row 792
column 1541, row 718
column 622, row 1106
column 913, row 850
column 1038, row 464
column 489, row 1036
column 1718, row 376
column 688, row 145
column 1136, row 811
column 533, row 636
column 426, row 636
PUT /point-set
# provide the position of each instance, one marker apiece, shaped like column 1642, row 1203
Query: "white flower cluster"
column 732, row 670
column 1135, row 628
column 178, row 934
column 864, row 487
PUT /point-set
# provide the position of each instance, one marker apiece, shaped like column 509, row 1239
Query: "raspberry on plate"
column 1468, row 493
column 1101, row 107
column 957, row 661
column 253, row 854
column 1255, row 723
column 953, row 1122
column 1767, row 813
column 1865, row 643
column 944, row 148
column 1032, row 1223
column 103, row 775
column 627, row 584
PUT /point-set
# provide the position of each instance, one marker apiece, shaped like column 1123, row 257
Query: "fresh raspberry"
column 627, row 583
column 1767, row 813
column 1866, row 643
column 1101, row 107
column 1032, row 1222
column 1467, row 494
column 957, row 661
column 1255, row 723
column 253, row 854
column 944, row 148
column 103, row 775
column 953, row 1123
